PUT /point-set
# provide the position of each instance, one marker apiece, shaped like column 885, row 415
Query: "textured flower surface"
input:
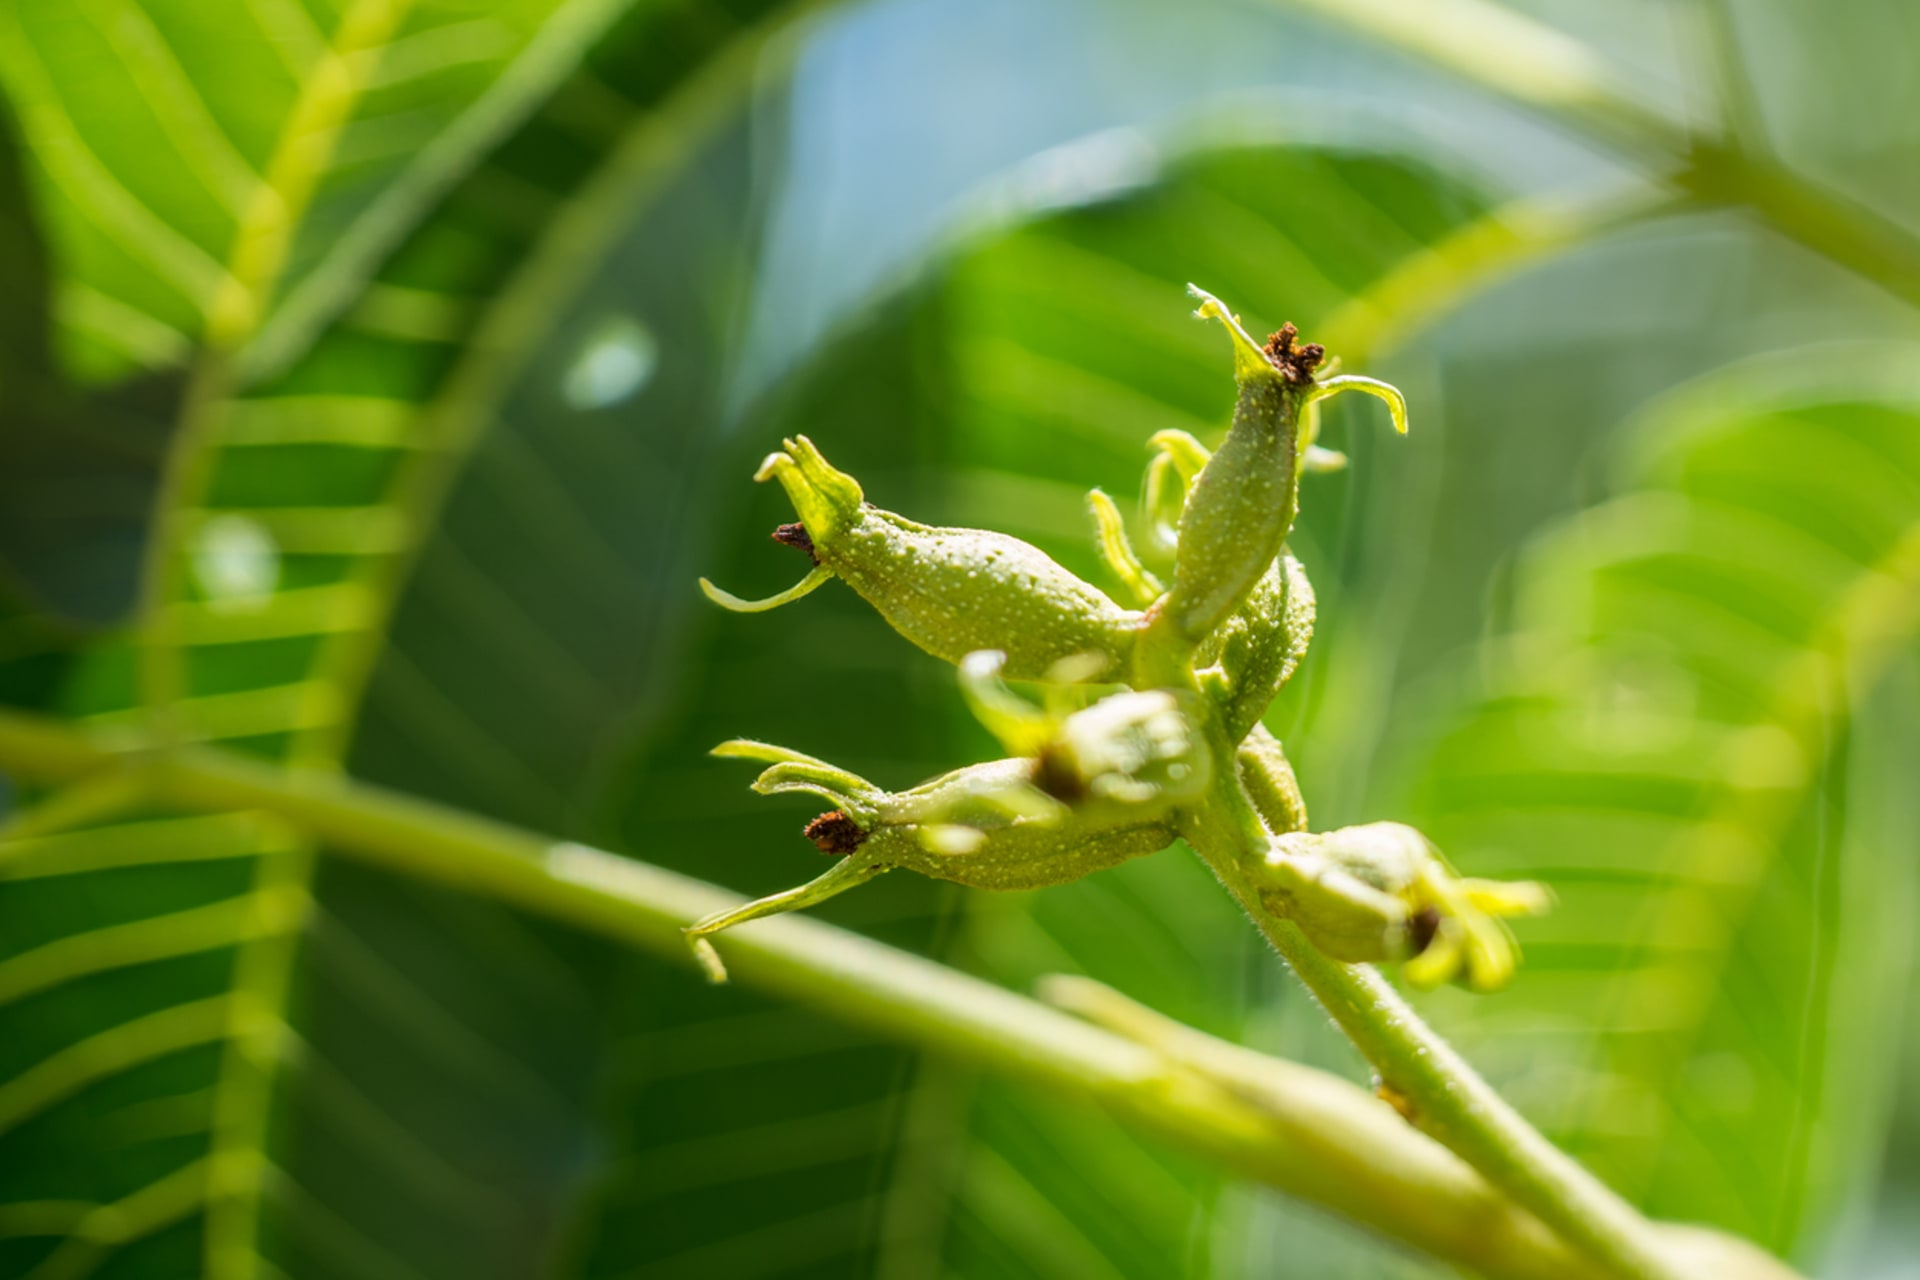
column 1147, row 729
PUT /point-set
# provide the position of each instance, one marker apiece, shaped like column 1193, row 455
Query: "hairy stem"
column 1450, row 1100
column 1306, row 1133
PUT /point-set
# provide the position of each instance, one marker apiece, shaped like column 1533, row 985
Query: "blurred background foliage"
column 464, row 325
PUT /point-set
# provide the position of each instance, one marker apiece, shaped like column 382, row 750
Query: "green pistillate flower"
column 1242, row 506
column 1383, row 892
column 990, row 826
column 1249, row 657
column 1085, row 790
column 1258, row 648
column 950, row 591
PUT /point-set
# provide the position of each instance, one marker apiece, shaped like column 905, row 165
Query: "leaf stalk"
column 1305, row 1132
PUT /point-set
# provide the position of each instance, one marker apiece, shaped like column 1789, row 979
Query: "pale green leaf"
column 1669, row 737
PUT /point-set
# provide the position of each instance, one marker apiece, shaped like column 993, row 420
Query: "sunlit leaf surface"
column 215, row 156
column 1670, row 736
column 225, row 1053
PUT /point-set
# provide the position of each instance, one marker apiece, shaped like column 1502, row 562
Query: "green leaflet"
column 435, row 1120
column 196, row 182
column 1668, row 744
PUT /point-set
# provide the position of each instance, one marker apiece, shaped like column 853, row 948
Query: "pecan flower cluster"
column 1144, row 724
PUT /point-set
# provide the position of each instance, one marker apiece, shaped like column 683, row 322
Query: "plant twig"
column 1306, row 1133
column 1547, row 70
column 1514, row 55
column 1289, row 1090
column 1450, row 1100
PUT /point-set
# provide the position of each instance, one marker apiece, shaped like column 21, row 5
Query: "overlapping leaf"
column 749, row 1137
column 1669, row 737
column 77, row 468
column 217, row 156
column 227, row 1053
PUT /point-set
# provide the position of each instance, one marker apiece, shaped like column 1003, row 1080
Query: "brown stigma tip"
column 1296, row 364
column 796, row 535
column 835, row 833
column 1055, row 775
column 1421, row 928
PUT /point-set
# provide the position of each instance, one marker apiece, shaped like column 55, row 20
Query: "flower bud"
column 1242, row 506
column 1260, row 646
column 1382, row 892
column 1267, row 777
column 1129, row 750
column 950, row 591
column 1344, row 917
column 988, row 826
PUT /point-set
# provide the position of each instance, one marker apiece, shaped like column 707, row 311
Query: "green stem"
column 1451, row 1100
column 1306, row 1133
column 1841, row 230
column 1515, row 56
column 1545, row 69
